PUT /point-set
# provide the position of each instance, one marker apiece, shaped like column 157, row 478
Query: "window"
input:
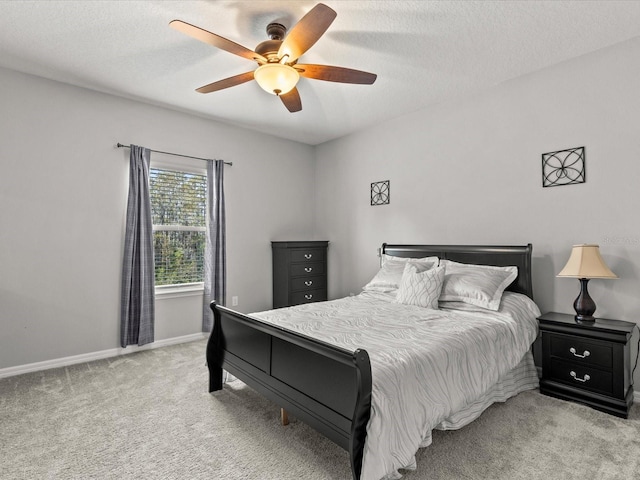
column 178, row 208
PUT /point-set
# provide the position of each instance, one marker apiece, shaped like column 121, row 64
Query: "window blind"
column 178, row 206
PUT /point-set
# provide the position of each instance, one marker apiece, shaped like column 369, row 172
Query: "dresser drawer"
column 307, row 269
column 308, row 254
column 582, row 376
column 580, row 351
column 319, row 295
column 308, row 283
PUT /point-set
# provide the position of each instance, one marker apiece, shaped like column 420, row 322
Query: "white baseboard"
column 89, row 357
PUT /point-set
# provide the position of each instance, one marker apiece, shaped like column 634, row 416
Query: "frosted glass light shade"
column 585, row 262
column 276, row 78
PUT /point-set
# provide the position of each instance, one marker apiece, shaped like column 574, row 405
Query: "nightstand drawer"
column 580, row 351
column 308, row 283
column 306, row 269
column 582, row 376
column 309, row 296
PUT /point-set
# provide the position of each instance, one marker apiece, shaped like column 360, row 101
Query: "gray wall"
column 469, row 172
column 63, row 190
column 466, row 171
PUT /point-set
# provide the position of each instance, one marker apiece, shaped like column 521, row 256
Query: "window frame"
column 194, row 167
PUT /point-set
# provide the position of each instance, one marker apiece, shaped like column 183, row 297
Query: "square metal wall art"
column 380, row 193
column 564, row 167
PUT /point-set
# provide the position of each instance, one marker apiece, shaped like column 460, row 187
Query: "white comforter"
column 426, row 364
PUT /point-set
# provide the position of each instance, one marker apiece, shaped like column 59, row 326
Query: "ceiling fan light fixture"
column 276, row 78
column 277, row 57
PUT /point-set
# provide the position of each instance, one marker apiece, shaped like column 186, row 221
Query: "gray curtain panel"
column 215, row 254
column 137, row 307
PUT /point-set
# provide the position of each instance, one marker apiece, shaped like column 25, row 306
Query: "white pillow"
column 429, row 260
column 479, row 285
column 388, row 277
column 420, row 288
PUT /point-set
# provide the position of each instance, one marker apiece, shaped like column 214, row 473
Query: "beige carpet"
column 148, row 416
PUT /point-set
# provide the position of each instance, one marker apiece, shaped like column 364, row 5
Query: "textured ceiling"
column 423, row 52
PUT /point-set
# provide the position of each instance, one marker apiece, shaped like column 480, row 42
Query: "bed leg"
column 215, row 378
column 214, row 352
column 284, row 417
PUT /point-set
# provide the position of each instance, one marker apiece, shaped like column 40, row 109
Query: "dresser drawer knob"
column 308, row 296
column 308, row 269
column 586, row 377
column 308, row 256
column 585, row 354
column 308, row 283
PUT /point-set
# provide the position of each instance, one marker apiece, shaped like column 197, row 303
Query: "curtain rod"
column 119, row 145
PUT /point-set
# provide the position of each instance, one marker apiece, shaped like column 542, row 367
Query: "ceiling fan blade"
column 292, row 100
column 306, row 32
column 226, row 83
column 216, row 40
column 336, row 74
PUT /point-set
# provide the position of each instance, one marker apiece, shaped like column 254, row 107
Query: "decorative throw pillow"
column 388, row 277
column 421, row 288
column 480, row 285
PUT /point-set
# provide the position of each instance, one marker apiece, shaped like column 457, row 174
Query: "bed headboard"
column 497, row 255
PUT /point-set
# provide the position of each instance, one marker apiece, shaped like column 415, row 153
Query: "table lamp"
column 585, row 263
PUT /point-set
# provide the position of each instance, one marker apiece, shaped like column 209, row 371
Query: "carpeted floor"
column 148, row 415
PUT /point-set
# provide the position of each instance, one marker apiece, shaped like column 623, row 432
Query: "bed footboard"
column 327, row 387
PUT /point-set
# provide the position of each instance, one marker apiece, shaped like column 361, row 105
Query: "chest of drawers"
column 299, row 272
column 587, row 362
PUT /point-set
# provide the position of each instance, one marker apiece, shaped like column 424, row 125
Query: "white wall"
column 469, row 172
column 63, row 190
column 466, row 171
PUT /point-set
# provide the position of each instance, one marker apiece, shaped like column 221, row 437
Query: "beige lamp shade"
column 585, row 262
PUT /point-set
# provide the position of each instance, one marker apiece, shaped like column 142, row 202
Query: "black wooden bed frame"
column 325, row 386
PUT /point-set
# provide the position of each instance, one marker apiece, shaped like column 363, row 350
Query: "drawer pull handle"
column 585, row 354
column 308, row 296
column 585, row 379
column 308, row 269
column 308, row 256
column 308, row 283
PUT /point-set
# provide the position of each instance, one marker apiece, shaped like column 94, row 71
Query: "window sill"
column 176, row 291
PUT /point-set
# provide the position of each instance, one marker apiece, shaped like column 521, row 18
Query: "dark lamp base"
column 584, row 306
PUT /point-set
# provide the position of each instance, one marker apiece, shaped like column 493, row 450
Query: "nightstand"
column 587, row 363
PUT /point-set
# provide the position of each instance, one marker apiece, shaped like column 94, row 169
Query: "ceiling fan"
column 278, row 69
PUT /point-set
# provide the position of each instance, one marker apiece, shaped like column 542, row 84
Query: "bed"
column 326, row 380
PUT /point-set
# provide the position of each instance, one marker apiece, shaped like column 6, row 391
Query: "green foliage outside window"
column 178, row 206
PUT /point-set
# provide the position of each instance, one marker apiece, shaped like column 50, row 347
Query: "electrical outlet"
column 234, row 301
